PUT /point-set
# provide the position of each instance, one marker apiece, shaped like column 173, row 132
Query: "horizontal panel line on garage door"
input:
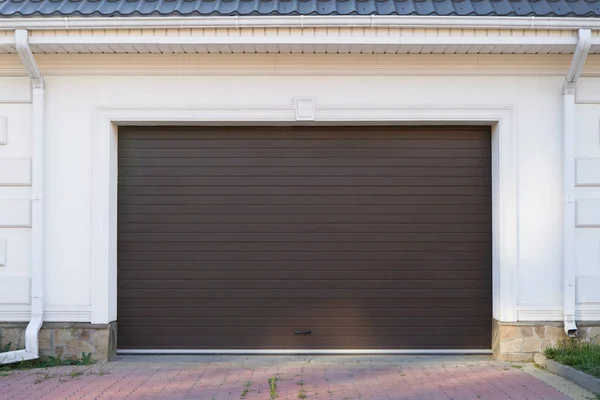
column 202, row 272
column 305, row 190
column 298, row 172
column 308, row 209
column 345, row 308
column 293, row 284
column 304, row 144
column 194, row 229
column 291, row 237
column 307, row 265
column 305, row 256
column 233, row 282
column 481, row 154
column 201, row 337
column 167, row 242
column 129, row 200
column 205, row 273
column 308, row 144
column 337, row 147
column 300, row 274
column 323, row 321
column 407, row 214
column 164, row 227
column 303, row 246
column 317, row 131
column 317, row 329
column 308, row 218
column 300, row 294
column 378, row 162
column 307, row 180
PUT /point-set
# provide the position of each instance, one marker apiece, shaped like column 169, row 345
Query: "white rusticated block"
column 587, row 289
column 15, row 213
column 2, row 252
column 3, row 129
column 588, row 90
column 587, row 172
column 15, row 291
column 15, row 171
column 587, row 213
column 305, row 108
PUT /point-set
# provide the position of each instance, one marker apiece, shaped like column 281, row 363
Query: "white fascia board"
column 7, row 40
column 300, row 22
column 40, row 41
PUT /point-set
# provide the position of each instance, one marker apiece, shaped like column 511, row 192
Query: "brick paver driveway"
column 291, row 377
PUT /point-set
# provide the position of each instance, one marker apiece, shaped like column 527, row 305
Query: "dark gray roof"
column 114, row 8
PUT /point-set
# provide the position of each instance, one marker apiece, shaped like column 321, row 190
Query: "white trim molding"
column 532, row 313
column 59, row 313
column 104, row 174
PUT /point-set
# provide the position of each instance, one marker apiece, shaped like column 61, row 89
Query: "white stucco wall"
column 72, row 100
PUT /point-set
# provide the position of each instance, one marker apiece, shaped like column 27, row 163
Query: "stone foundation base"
column 519, row 341
column 511, row 341
column 65, row 340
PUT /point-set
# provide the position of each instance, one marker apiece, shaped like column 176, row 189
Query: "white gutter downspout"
column 579, row 57
column 31, row 350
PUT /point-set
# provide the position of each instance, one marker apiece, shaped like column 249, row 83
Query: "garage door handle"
column 302, row 332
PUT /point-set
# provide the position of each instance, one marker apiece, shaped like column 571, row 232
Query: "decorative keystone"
column 305, row 108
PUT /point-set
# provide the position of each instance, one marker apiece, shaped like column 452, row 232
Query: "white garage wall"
column 537, row 101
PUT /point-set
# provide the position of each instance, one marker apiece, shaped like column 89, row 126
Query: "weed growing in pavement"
column 75, row 374
column 247, row 386
column 273, row 387
column 301, row 392
column 42, row 377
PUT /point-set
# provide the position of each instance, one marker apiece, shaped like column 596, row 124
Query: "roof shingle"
column 121, row 8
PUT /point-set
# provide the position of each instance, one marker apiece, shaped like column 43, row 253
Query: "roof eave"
column 301, row 21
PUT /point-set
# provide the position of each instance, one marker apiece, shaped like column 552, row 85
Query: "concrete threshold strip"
column 582, row 379
column 303, row 352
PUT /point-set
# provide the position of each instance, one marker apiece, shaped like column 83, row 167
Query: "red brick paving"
column 331, row 378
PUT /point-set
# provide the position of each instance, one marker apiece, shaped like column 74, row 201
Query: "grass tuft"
column 46, row 362
column 584, row 356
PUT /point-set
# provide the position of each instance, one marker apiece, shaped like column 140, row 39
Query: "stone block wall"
column 514, row 341
column 519, row 341
column 66, row 340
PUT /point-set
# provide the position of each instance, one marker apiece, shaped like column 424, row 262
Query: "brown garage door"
column 304, row 238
